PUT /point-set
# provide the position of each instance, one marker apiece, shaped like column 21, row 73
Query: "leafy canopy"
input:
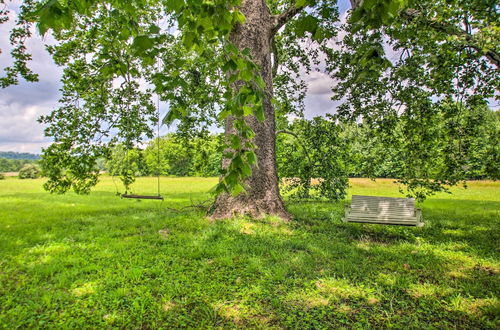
column 392, row 61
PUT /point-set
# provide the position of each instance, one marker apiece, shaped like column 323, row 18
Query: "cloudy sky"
column 21, row 105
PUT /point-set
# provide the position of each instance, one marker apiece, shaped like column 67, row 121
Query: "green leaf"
column 300, row 3
column 246, row 75
column 230, row 48
column 154, row 29
column 174, row 5
column 251, row 157
column 169, row 118
column 259, row 112
column 260, row 82
column 189, row 39
column 142, row 43
column 306, row 24
column 237, row 189
column 238, row 17
column 235, row 141
column 246, row 170
column 125, row 33
column 237, row 162
column 231, row 179
column 229, row 65
column 224, row 114
column 247, row 111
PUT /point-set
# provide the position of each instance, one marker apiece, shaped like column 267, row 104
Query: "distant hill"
column 18, row 155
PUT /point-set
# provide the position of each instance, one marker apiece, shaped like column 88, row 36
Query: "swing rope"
column 158, row 195
column 158, row 139
column 158, row 169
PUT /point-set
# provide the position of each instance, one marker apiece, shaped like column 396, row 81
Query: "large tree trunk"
column 262, row 195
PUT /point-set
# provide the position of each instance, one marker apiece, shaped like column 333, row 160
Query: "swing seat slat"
column 142, row 197
column 383, row 210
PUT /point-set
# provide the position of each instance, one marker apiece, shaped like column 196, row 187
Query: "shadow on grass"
column 471, row 222
column 113, row 268
column 343, row 279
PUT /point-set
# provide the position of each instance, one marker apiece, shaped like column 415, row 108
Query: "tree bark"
column 262, row 195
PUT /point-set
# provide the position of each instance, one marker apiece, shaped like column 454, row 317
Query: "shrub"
column 29, row 171
column 2, row 176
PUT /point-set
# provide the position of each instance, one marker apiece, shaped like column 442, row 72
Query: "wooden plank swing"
column 141, row 196
column 383, row 210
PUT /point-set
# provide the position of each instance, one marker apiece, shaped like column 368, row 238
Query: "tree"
column 174, row 156
column 207, row 155
column 313, row 159
column 456, row 143
column 18, row 155
column 238, row 62
column 14, row 165
column 156, row 157
column 30, row 171
column 126, row 163
column 438, row 48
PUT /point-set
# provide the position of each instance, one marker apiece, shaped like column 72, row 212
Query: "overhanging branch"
column 491, row 55
column 411, row 14
column 284, row 17
column 284, row 131
column 276, row 58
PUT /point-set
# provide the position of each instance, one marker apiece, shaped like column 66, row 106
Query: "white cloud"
column 320, row 105
column 319, row 83
column 23, row 104
column 31, row 147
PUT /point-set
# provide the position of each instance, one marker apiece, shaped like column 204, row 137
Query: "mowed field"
column 98, row 261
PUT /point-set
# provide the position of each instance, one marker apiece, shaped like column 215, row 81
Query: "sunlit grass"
column 101, row 261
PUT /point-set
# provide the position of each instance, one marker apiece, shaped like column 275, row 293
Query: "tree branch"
column 411, row 14
column 491, row 55
column 284, row 17
column 284, row 131
column 355, row 3
column 276, row 58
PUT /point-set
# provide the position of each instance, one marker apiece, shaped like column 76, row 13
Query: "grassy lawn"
column 100, row 261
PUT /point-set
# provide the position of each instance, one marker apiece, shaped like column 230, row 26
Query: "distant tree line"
column 452, row 145
column 11, row 161
column 332, row 152
column 18, row 155
column 14, row 165
column 316, row 157
column 172, row 154
column 468, row 146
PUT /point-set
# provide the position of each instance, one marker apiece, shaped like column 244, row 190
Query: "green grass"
column 100, row 261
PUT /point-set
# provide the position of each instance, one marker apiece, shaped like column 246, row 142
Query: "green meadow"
column 99, row 261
